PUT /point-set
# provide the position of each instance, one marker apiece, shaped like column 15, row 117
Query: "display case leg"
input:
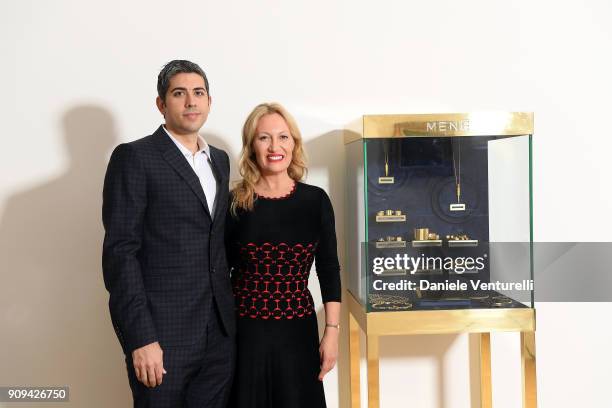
column 528, row 358
column 373, row 372
column 354, row 362
column 486, row 392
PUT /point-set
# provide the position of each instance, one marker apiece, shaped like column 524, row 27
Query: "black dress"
column 271, row 250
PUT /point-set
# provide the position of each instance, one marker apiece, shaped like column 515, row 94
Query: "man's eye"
column 200, row 93
column 178, row 93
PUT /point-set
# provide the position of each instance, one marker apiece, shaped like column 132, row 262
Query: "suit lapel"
column 177, row 161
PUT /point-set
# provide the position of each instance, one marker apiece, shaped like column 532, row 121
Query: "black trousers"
column 198, row 376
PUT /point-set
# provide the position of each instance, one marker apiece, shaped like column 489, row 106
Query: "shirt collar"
column 202, row 145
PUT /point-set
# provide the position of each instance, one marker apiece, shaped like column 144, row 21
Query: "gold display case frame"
column 441, row 125
column 481, row 322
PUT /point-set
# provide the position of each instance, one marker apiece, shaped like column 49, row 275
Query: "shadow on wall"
column 55, row 324
column 326, row 155
column 221, row 143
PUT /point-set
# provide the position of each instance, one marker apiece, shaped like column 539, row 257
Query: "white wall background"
column 79, row 77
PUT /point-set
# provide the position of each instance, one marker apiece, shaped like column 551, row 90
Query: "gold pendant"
column 386, row 179
column 457, row 207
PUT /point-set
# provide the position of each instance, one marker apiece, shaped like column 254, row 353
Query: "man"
column 165, row 200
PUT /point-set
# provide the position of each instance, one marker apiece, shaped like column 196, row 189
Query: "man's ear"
column 160, row 105
column 209, row 101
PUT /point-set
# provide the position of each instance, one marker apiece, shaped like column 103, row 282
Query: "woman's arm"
column 328, row 271
column 328, row 349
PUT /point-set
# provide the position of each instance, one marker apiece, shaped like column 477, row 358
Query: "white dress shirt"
column 201, row 164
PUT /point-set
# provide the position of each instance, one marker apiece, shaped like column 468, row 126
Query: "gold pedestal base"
column 482, row 321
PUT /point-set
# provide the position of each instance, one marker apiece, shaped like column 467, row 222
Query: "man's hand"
column 149, row 364
column 328, row 351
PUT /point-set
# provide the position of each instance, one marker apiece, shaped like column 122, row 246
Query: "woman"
column 277, row 227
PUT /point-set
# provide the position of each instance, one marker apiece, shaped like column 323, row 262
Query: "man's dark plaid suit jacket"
column 163, row 257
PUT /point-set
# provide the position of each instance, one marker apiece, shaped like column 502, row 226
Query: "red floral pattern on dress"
column 272, row 281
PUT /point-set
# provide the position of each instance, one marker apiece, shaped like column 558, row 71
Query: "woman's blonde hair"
column 244, row 190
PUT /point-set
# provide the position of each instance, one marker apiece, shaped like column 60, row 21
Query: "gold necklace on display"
column 386, row 179
column 458, row 206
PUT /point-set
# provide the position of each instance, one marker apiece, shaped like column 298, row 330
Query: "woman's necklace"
column 281, row 192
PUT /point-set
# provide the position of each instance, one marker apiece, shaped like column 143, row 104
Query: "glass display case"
column 439, row 211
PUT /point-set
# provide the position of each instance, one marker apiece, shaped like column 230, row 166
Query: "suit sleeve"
column 326, row 256
column 123, row 213
column 227, row 163
column 230, row 229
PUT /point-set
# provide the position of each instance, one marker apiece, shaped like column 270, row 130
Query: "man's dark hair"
column 177, row 67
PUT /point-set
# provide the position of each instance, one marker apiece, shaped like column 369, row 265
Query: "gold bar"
column 445, row 124
column 391, row 218
column 450, row 321
column 528, row 359
column 441, row 125
column 421, row 234
column 354, row 362
column 486, row 389
column 373, row 371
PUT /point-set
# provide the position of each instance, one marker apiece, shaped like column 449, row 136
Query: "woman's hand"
column 328, row 351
